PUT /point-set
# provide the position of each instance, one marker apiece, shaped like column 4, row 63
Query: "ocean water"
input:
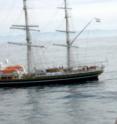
column 90, row 103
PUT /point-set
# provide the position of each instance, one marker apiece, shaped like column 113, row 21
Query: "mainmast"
column 28, row 37
column 67, row 36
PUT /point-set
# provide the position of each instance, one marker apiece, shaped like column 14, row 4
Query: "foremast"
column 28, row 43
column 28, row 38
column 67, row 36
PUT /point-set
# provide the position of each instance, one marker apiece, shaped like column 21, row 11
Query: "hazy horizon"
column 49, row 18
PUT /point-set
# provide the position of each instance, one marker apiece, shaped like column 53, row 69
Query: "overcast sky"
column 45, row 13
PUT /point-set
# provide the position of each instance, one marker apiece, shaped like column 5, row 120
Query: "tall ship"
column 16, row 75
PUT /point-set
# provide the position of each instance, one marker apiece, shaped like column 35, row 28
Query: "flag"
column 97, row 20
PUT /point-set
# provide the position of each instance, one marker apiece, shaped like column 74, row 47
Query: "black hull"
column 58, row 80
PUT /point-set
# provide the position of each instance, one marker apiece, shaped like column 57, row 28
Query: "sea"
column 88, row 103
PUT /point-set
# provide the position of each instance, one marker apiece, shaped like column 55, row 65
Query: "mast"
column 67, row 36
column 28, row 37
column 28, row 43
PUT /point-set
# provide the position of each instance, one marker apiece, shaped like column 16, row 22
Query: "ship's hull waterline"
column 54, row 76
column 52, row 80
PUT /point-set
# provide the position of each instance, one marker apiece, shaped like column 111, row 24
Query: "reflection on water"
column 91, row 103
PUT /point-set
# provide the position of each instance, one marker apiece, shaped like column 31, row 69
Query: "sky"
column 49, row 18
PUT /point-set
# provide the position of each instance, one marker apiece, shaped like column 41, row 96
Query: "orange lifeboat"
column 11, row 69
